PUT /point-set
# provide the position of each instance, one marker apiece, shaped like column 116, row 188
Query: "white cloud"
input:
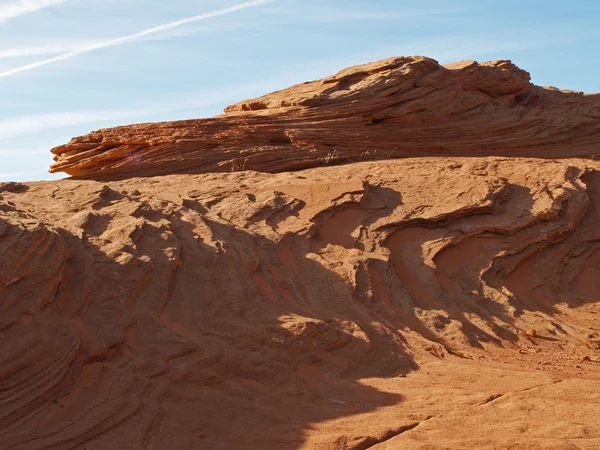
column 18, row 52
column 40, row 122
column 20, row 7
column 133, row 37
column 344, row 15
column 193, row 103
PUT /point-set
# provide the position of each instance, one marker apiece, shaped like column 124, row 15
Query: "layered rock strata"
column 395, row 108
column 417, row 303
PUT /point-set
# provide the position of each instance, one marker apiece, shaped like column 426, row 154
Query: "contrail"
column 132, row 37
column 18, row 8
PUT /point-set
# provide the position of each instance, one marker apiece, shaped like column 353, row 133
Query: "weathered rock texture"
column 413, row 304
column 417, row 303
column 399, row 107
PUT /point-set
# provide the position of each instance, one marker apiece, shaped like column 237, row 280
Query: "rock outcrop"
column 395, row 108
column 382, row 303
column 444, row 302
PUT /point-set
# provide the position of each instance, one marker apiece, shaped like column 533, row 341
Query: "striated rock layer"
column 395, row 108
column 432, row 303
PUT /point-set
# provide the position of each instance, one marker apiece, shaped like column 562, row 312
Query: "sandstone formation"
column 421, row 303
column 338, row 307
column 399, row 107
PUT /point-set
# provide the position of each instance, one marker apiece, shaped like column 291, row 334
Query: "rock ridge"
column 410, row 300
column 395, row 108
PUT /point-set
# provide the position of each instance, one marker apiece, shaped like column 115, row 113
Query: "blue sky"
column 68, row 67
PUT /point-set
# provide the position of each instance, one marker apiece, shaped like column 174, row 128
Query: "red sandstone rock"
column 395, row 108
column 374, row 304
column 381, row 304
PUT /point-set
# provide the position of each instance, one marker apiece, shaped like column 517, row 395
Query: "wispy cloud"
column 19, row 52
column 206, row 101
column 321, row 13
column 335, row 15
column 133, row 37
column 20, row 7
column 39, row 122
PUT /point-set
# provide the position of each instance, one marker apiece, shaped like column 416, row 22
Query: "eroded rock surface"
column 395, row 108
column 382, row 304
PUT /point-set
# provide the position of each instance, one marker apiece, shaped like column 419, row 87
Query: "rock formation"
column 399, row 107
column 417, row 303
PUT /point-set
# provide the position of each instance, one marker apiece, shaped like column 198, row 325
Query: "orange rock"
column 368, row 305
column 210, row 308
column 395, row 108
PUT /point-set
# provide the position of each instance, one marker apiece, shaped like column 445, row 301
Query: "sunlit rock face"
column 386, row 302
column 395, row 108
